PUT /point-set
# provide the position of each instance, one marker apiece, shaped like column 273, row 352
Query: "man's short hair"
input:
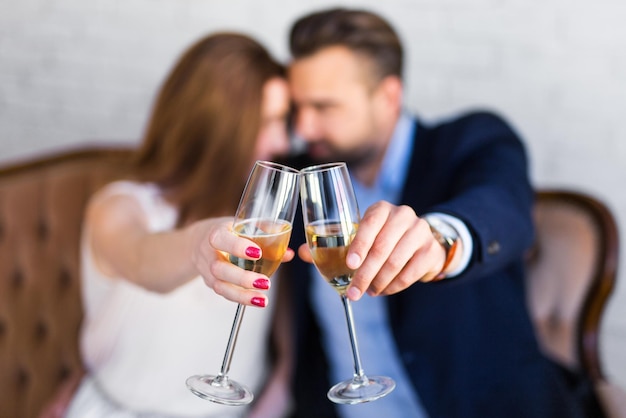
column 361, row 31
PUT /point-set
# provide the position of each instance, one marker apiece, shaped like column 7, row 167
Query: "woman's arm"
column 124, row 247
column 58, row 404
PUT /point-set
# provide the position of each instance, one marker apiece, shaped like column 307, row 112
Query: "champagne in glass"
column 329, row 245
column 331, row 219
column 265, row 216
column 271, row 236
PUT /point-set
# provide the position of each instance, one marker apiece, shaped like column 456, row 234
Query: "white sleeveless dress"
column 139, row 347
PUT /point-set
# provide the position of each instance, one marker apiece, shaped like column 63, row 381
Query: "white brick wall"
column 75, row 71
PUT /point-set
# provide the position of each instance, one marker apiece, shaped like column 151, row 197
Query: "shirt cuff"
column 464, row 236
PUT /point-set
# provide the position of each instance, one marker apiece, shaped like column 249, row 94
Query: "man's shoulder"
column 474, row 123
column 476, row 118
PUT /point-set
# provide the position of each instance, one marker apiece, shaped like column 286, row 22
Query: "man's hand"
column 393, row 248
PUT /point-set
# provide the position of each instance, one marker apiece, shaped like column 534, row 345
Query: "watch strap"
column 447, row 236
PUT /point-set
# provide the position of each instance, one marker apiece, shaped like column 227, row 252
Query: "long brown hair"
column 199, row 142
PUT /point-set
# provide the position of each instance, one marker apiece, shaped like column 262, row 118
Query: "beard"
column 322, row 152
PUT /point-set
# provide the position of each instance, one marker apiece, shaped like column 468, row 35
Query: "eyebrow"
column 318, row 104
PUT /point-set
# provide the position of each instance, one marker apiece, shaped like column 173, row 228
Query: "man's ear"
column 389, row 91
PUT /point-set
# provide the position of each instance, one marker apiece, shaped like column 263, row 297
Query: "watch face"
column 444, row 233
column 447, row 242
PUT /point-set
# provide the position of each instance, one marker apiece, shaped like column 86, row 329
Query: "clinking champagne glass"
column 265, row 216
column 331, row 218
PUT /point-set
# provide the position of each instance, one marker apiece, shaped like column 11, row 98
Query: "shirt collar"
column 396, row 161
column 393, row 172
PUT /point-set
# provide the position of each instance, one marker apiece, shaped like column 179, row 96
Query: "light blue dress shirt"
column 379, row 354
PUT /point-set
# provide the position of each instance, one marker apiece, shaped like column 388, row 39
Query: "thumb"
column 305, row 253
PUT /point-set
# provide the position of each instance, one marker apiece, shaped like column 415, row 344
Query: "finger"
column 424, row 266
column 288, row 256
column 237, row 285
column 227, row 272
column 361, row 248
column 369, row 226
column 239, row 295
column 305, row 253
column 405, row 250
column 221, row 238
column 381, row 252
column 412, row 273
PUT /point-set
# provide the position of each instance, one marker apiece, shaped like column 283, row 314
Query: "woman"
column 158, row 291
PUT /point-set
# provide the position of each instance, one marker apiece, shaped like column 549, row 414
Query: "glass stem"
column 232, row 340
column 358, row 370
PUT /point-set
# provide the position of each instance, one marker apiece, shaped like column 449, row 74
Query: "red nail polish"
column 257, row 301
column 253, row 252
column 261, row 284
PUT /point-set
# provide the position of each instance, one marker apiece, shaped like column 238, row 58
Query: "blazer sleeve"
column 477, row 171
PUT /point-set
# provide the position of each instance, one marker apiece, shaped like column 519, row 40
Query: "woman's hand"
column 214, row 242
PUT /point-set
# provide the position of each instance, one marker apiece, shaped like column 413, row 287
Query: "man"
column 439, row 250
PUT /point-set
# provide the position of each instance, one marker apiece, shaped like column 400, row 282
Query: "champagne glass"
column 331, row 218
column 265, row 216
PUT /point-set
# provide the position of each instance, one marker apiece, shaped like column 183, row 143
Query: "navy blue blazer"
column 467, row 342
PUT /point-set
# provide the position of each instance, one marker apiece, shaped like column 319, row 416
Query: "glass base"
column 219, row 389
column 361, row 389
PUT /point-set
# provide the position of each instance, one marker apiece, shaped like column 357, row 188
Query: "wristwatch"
column 447, row 236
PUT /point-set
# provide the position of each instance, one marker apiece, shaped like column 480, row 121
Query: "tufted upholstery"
column 572, row 272
column 41, row 207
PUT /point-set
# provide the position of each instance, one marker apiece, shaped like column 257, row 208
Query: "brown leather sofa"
column 572, row 273
column 41, row 207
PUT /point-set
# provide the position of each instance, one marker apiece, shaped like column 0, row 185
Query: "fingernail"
column 353, row 261
column 261, row 284
column 253, row 252
column 353, row 293
column 258, row 301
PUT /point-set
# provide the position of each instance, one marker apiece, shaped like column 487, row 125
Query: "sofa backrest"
column 41, row 209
